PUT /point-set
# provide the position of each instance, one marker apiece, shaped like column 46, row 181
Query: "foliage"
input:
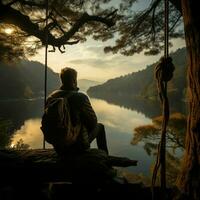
column 70, row 22
column 20, row 145
column 143, row 29
column 150, row 136
column 143, row 132
column 67, row 23
column 176, row 122
column 142, row 83
column 14, row 46
column 24, row 80
column 6, row 130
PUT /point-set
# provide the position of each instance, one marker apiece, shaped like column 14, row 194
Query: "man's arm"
column 88, row 115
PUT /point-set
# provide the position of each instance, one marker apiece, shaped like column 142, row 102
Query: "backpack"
column 56, row 123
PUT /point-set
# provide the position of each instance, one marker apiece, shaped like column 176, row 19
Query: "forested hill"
column 142, row 83
column 25, row 80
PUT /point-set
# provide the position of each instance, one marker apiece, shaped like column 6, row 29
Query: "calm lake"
column 119, row 120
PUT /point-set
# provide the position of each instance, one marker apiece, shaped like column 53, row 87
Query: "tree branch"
column 12, row 2
column 178, row 18
column 152, row 8
column 60, row 15
column 177, row 5
column 11, row 16
column 32, row 3
column 142, row 17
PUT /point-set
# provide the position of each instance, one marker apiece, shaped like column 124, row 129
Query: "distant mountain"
column 25, row 80
column 142, row 83
column 85, row 84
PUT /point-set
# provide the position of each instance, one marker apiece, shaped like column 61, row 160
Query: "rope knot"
column 164, row 69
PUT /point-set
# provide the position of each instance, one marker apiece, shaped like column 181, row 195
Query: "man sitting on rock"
column 82, row 116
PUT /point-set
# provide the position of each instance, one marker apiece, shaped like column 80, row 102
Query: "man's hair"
column 68, row 76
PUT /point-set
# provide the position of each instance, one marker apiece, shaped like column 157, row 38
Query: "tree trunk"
column 189, row 179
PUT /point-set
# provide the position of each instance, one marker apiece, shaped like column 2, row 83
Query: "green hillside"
column 142, row 83
column 25, row 80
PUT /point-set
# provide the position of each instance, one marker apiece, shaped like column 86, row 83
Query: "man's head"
column 69, row 78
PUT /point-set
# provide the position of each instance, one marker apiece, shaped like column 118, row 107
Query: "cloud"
column 92, row 63
column 118, row 62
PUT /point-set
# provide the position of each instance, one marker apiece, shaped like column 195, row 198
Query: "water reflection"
column 30, row 134
column 17, row 111
column 150, row 108
column 119, row 124
column 119, row 121
column 119, row 118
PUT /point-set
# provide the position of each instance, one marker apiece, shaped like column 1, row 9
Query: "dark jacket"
column 80, row 106
column 81, row 112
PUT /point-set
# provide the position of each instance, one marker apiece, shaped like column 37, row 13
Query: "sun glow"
column 8, row 31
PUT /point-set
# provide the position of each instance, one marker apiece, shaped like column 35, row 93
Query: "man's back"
column 82, row 115
column 80, row 107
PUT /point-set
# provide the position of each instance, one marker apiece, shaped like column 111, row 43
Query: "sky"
column 92, row 63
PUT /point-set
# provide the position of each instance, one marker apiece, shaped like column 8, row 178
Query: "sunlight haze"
column 92, row 63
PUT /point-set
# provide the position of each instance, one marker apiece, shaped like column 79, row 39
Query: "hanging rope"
column 163, row 73
column 46, row 54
